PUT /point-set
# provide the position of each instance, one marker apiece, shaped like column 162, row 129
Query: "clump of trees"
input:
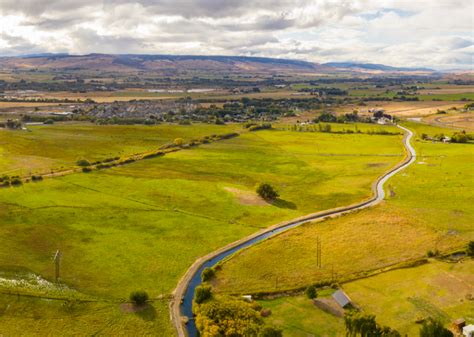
column 229, row 317
column 434, row 328
column 267, row 192
column 139, row 297
column 359, row 324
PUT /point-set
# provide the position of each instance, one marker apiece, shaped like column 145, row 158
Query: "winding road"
column 181, row 306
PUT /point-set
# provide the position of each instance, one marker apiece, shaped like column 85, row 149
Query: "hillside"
column 158, row 63
column 372, row 67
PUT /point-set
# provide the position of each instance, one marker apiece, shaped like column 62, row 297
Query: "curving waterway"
column 192, row 279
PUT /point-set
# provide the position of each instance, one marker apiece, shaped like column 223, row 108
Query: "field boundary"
column 378, row 195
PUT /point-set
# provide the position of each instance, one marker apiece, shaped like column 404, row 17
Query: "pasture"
column 418, row 215
column 140, row 226
column 52, row 147
column 397, row 298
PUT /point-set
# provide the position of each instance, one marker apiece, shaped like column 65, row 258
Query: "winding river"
column 184, row 292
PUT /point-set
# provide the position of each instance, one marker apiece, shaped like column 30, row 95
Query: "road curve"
column 181, row 305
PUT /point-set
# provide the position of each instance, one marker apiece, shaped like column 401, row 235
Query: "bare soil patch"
column 246, row 197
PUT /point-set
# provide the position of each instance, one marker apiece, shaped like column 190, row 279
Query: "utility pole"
column 57, row 260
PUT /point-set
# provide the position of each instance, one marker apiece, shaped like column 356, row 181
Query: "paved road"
column 181, row 306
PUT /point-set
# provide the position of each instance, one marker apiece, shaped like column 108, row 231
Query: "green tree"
column 202, row 294
column 434, row 328
column 267, row 192
column 139, row 297
column 207, row 274
column 83, row 162
column 311, row 292
column 470, row 249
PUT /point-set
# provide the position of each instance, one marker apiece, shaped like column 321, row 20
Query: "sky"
column 416, row 33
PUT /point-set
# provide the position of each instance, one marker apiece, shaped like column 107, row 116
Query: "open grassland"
column 429, row 207
column 24, row 316
column 50, row 147
column 452, row 119
column 140, row 226
column 413, row 109
column 297, row 316
column 398, row 299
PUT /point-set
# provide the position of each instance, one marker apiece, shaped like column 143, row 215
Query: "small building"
column 342, row 299
column 468, row 330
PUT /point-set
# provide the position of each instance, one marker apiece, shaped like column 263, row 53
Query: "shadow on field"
column 147, row 313
column 280, row 203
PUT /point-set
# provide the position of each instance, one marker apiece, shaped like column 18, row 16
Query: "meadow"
column 140, row 226
column 418, row 215
column 397, row 298
column 51, row 147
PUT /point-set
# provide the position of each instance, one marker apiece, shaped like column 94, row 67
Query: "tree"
column 311, row 292
column 470, row 249
column 82, row 162
column 139, row 297
column 267, row 192
column 269, row 331
column 434, row 328
column 207, row 274
column 358, row 324
column 202, row 294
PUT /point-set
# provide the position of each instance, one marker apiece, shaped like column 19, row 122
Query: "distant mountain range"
column 169, row 65
column 373, row 66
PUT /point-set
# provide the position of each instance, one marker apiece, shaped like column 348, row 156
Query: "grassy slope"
column 429, row 207
column 61, row 145
column 142, row 225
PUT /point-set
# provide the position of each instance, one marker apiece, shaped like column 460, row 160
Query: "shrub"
column 83, row 162
column 16, row 182
column 434, row 328
column 202, row 294
column 36, row 178
column 86, row 169
column 139, row 297
column 470, row 249
column 267, row 192
column 178, row 142
column 459, row 137
column 311, row 292
column 48, row 121
column 268, row 331
column 207, row 274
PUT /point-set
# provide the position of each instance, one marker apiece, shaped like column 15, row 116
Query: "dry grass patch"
column 248, row 198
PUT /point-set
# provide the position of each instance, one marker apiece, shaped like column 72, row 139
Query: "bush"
column 86, row 169
column 207, row 274
column 434, row 328
column 139, row 297
column 178, row 142
column 48, row 121
column 267, row 192
column 36, row 178
column 459, row 137
column 470, row 249
column 83, row 162
column 16, row 182
column 202, row 294
column 311, row 292
column 270, row 332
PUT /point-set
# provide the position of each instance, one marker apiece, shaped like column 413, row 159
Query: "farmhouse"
column 341, row 298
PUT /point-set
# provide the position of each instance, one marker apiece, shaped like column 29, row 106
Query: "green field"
column 57, row 146
column 142, row 225
column 397, row 298
column 418, row 215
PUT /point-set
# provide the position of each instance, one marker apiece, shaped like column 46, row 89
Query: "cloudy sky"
column 431, row 33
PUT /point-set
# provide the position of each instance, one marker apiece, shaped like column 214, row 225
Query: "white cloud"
column 436, row 34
